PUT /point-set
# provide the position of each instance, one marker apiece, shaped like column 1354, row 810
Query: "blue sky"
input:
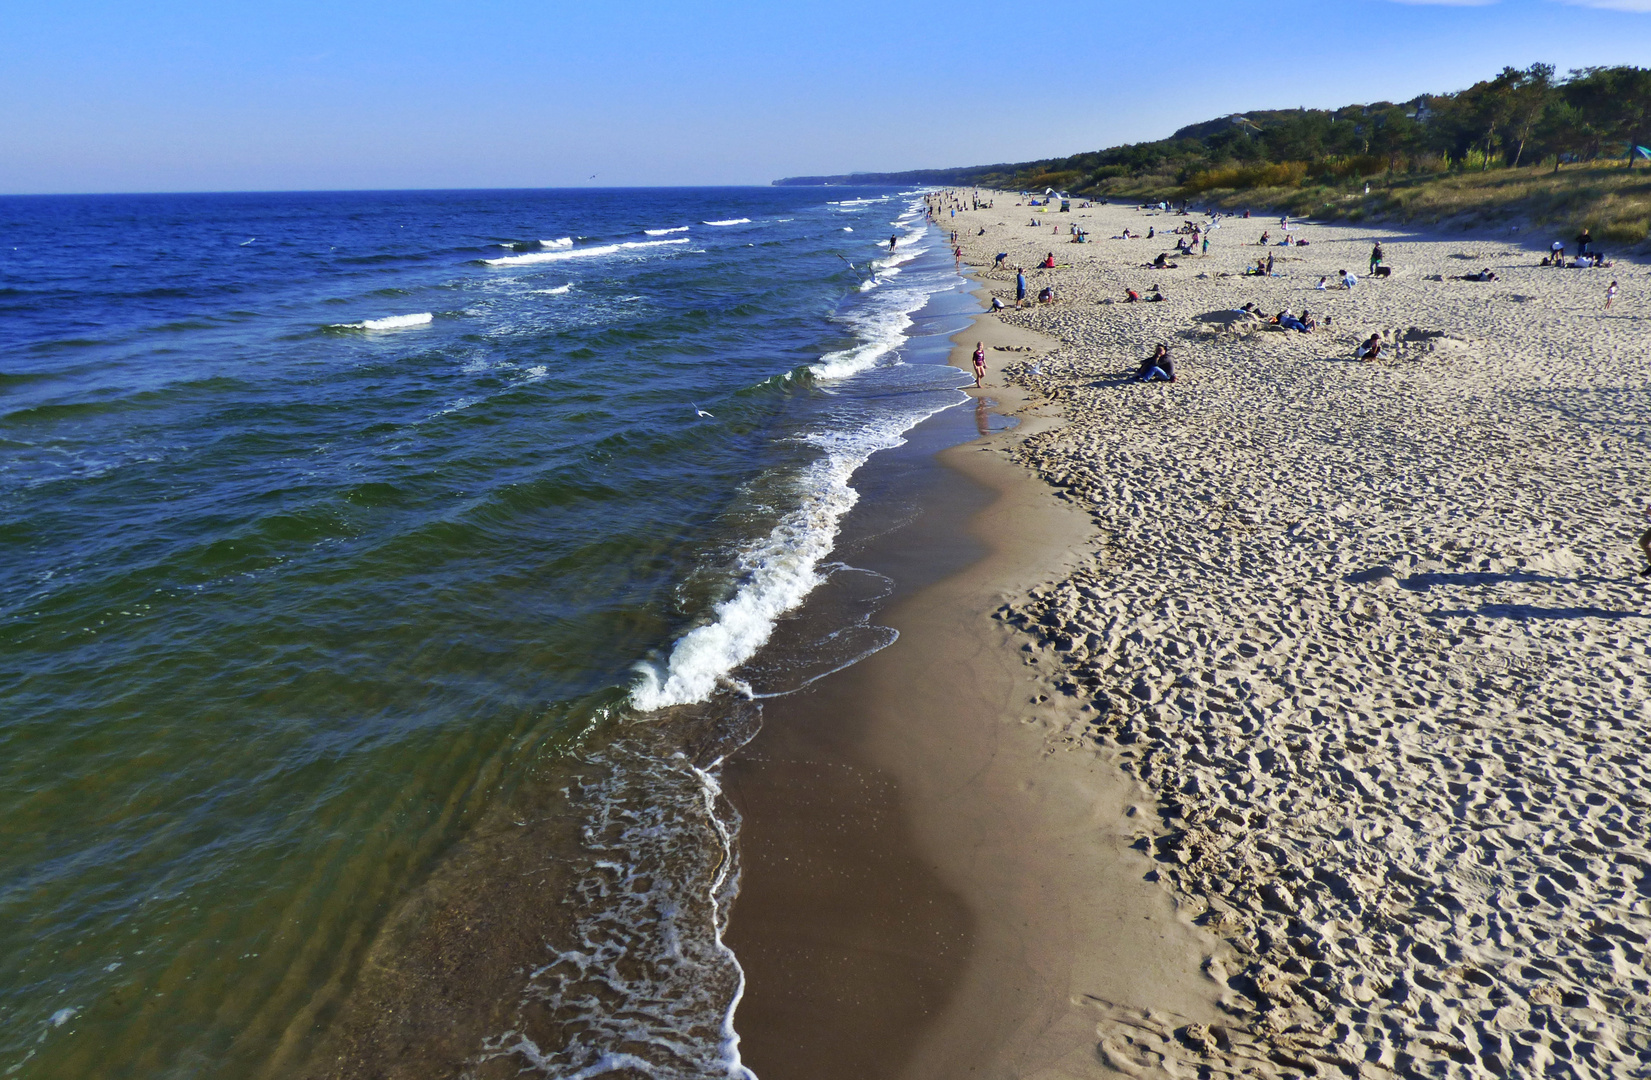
column 184, row 95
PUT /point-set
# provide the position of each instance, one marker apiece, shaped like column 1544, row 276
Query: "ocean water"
column 336, row 526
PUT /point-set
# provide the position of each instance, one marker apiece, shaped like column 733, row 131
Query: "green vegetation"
column 1524, row 147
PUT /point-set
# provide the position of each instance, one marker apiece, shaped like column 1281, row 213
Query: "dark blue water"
column 326, row 517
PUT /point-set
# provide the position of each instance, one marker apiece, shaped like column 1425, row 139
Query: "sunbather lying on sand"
column 1483, row 275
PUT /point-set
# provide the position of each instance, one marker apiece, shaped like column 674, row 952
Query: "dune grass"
column 1611, row 200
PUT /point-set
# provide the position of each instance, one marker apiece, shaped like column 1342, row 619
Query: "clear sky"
column 217, row 95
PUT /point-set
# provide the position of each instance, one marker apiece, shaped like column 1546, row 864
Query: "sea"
column 362, row 551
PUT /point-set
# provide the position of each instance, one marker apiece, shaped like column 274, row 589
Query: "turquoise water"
column 326, row 519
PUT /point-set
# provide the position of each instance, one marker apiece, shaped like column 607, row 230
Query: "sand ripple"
column 1373, row 634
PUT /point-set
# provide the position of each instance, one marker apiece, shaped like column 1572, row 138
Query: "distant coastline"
column 1525, row 148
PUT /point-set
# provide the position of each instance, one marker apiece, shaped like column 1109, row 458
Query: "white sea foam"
column 779, row 570
column 564, row 242
column 557, row 291
column 391, row 322
column 731, row 221
column 579, row 253
column 662, row 232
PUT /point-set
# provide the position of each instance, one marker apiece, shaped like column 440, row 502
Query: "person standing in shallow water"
column 980, row 362
column 891, row 245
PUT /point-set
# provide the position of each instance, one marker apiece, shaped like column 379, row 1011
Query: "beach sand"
column 1372, row 633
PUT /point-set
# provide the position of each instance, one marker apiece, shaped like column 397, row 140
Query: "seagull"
column 843, row 257
column 701, row 412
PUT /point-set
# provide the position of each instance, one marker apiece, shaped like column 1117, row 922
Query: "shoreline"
column 937, row 874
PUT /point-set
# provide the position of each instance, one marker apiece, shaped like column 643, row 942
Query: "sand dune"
column 1372, row 631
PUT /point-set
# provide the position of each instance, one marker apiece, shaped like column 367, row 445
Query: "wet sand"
column 938, row 879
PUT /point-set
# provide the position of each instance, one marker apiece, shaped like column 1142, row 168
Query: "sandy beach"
column 1372, row 633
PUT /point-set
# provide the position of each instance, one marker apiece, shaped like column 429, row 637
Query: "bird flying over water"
column 701, row 412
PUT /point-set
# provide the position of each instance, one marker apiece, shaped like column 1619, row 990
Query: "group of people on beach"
column 1586, row 256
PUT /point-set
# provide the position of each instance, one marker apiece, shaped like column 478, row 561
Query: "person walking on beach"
column 980, row 362
column 1020, row 286
column 1610, row 295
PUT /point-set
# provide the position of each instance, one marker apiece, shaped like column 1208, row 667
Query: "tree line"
column 1522, row 117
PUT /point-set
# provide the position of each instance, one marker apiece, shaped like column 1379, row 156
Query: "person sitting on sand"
column 1290, row 322
column 1151, row 232
column 1645, row 545
column 1046, row 295
column 1265, row 236
column 1156, row 367
column 1156, row 297
column 1371, row 349
column 1049, row 261
column 1162, row 261
column 1348, row 281
column 1324, row 283
column 1131, row 296
column 1309, row 320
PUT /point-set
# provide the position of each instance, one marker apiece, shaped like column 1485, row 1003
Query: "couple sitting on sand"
column 1157, row 367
